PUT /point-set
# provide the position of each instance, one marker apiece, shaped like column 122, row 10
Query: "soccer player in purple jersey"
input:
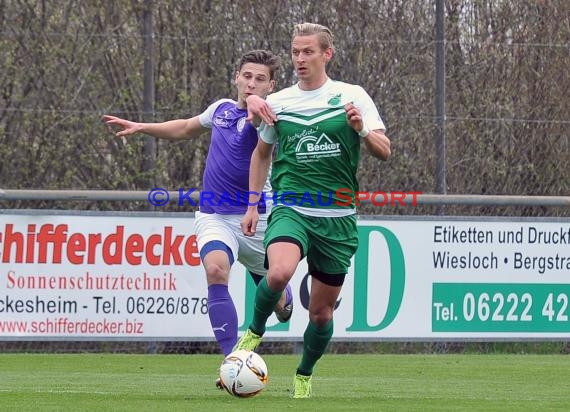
column 217, row 223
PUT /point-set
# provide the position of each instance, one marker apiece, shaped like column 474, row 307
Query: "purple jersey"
column 226, row 177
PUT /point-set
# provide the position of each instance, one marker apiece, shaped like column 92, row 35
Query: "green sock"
column 315, row 342
column 265, row 300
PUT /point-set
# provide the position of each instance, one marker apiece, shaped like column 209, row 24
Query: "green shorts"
column 328, row 242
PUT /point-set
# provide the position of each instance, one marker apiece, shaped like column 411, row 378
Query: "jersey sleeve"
column 267, row 133
column 368, row 110
column 207, row 116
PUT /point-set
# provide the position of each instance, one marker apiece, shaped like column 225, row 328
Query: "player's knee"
column 320, row 317
column 216, row 274
column 278, row 277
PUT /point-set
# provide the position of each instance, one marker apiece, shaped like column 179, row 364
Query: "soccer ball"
column 243, row 373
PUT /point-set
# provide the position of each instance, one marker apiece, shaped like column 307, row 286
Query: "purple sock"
column 223, row 317
column 288, row 295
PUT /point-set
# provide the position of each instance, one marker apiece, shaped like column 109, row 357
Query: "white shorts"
column 248, row 250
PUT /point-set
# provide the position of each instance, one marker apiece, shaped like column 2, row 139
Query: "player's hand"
column 127, row 127
column 257, row 107
column 353, row 117
column 249, row 222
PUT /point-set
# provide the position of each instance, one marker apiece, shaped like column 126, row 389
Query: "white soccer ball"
column 243, row 373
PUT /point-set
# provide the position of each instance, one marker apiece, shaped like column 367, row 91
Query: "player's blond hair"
column 324, row 34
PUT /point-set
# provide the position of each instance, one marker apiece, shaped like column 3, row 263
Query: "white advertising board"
column 138, row 276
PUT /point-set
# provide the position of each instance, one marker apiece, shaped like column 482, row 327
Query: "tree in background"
column 64, row 63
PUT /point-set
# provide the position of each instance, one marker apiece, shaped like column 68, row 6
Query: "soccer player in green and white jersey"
column 319, row 125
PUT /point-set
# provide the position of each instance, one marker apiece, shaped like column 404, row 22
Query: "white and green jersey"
column 317, row 151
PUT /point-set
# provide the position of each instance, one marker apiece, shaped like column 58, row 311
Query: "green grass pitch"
column 119, row 382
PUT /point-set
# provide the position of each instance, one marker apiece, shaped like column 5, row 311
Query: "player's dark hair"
column 264, row 57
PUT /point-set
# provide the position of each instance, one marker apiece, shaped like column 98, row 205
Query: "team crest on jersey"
column 241, row 124
column 334, row 100
column 312, row 148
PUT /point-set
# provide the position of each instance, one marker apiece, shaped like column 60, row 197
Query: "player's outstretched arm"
column 179, row 129
column 259, row 111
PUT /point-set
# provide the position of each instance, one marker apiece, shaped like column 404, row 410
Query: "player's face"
column 309, row 59
column 255, row 79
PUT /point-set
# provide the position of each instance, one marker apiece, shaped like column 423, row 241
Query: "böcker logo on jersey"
column 311, row 148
